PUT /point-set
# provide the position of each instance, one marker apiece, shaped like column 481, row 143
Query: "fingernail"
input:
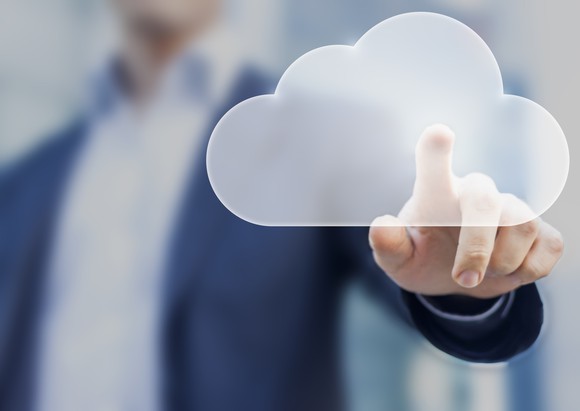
column 468, row 279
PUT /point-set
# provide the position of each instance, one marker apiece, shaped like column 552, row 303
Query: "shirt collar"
column 202, row 73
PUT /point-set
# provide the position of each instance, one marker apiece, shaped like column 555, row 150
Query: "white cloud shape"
column 335, row 144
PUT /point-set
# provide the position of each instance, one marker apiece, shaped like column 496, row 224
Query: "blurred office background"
column 48, row 47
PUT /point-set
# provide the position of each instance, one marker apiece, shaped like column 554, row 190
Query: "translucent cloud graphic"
column 335, row 144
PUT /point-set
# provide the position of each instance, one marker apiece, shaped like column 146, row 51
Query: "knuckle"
column 479, row 192
column 516, row 212
column 480, row 198
column 555, row 243
column 529, row 229
column 477, row 256
column 485, row 203
column 535, row 270
column 501, row 265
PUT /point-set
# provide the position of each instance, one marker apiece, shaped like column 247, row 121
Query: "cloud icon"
column 335, row 144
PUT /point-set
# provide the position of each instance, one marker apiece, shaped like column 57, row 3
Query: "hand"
column 483, row 260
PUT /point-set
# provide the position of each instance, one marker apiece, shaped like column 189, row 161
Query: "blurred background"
column 49, row 48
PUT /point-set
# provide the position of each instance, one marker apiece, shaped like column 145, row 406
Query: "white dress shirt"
column 100, row 329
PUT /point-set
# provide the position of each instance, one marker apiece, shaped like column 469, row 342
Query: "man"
column 126, row 285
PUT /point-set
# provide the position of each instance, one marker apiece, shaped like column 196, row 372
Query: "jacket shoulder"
column 38, row 169
column 251, row 82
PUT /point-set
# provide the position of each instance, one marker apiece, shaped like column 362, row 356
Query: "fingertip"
column 438, row 137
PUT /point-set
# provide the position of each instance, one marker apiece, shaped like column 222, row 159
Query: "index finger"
column 433, row 159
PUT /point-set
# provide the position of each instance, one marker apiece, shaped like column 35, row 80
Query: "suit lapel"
column 203, row 220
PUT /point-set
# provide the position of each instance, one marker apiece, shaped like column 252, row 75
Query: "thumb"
column 391, row 243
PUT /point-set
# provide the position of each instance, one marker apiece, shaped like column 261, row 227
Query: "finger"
column 543, row 256
column 433, row 157
column 513, row 243
column 391, row 244
column 480, row 205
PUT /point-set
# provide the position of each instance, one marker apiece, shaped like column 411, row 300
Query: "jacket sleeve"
column 483, row 331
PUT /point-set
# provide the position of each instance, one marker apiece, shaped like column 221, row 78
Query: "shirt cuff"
column 501, row 305
column 478, row 330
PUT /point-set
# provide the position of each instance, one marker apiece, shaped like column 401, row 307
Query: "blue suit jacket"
column 250, row 314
